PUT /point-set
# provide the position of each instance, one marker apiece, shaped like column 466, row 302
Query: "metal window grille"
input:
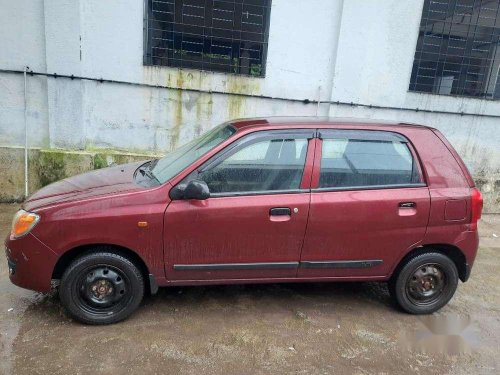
column 216, row 35
column 458, row 50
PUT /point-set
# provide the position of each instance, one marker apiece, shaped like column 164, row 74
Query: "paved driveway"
column 339, row 328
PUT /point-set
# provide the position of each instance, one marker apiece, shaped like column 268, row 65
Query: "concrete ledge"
column 47, row 166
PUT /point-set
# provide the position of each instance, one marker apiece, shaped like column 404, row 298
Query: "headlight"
column 23, row 223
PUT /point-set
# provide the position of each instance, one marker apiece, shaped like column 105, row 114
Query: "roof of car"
column 314, row 120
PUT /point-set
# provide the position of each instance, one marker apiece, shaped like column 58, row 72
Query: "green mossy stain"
column 204, row 107
column 99, row 161
column 56, row 165
column 199, row 116
column 106, row 159
column 240, row 85
column 234, row 107
column 210, row 106
column 175, row 130
column 51, row 167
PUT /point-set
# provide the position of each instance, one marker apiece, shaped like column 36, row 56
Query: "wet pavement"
column 342, row 328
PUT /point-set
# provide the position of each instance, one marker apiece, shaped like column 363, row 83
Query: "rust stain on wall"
column 181, row 103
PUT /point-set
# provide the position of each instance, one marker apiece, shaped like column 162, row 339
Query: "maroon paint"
column 104, row 207
column 234, row 230
column 363, row 225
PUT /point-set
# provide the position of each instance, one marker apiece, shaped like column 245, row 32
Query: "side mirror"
column 195, row 189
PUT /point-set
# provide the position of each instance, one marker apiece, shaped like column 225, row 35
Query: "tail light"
column 477, row 207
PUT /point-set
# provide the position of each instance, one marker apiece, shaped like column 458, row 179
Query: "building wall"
column 356, row 51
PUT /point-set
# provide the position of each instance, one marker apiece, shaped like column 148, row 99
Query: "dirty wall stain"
column 178, row 107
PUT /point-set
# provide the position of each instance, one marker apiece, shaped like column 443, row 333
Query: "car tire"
column 424, row 283
column 101, row 288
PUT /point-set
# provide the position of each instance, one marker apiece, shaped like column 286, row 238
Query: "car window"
column 174, row 162
column 266, row 165
column 355, row 162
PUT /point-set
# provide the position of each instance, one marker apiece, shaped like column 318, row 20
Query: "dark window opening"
column 458, row 50
column 228, row 36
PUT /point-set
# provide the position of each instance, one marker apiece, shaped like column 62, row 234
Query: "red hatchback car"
column 257, row 201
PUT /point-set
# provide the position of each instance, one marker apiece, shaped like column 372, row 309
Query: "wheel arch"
column 452, row 252
column 69, row 256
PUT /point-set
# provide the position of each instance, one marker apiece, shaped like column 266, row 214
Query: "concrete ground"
column 341, row 328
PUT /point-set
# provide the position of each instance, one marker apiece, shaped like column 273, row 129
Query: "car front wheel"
column 424, row 283
column 101, row 288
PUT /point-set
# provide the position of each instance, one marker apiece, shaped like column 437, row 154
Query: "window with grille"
column 217, row 35
column 458, row 50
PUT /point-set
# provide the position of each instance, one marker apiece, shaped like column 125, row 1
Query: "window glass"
column 174, row 162
column 266, row 165
column 355, row 162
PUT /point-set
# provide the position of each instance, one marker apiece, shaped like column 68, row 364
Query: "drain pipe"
column 26, row 68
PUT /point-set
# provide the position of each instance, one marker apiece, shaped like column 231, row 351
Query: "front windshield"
column 176, row 161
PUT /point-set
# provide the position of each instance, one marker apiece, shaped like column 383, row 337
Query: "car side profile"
column 264, row 200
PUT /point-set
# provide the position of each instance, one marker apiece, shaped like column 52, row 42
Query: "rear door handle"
column 280, row 211
column 407, row 204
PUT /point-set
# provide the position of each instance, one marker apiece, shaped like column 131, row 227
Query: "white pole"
column 25, row 134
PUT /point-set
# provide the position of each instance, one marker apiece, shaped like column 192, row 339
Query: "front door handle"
column 280, row 211
column 407, row 204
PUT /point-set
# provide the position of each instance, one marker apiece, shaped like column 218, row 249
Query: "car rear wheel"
column 424, row 283
column 101, row 288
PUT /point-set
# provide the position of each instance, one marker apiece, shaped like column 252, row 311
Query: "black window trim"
column 259, row 192
column 370, row 187
column 377, row 136
column 362, row 135
column 248, row 140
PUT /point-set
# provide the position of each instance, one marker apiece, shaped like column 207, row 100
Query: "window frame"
column 148, row 48
column 248, row 140
column 485, row 88
column 366, row 135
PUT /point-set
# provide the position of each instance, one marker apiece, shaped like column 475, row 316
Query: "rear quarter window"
column 359, row 160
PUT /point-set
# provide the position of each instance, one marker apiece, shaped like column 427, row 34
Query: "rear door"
column 254, row 222
column 369, row 204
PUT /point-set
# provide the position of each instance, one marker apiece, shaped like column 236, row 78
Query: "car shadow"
column 261, row 296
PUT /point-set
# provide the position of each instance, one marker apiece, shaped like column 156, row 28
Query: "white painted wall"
column 377, row 71
column 97, row 38
column 355, row 50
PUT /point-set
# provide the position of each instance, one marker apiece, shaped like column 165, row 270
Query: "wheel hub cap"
column 426, row 283
column 103, row 287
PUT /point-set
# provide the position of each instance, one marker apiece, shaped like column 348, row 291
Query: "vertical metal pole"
column 25, row 134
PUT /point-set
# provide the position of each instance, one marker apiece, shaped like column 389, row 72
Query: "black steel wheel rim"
column 426, row 284
column 103, row 290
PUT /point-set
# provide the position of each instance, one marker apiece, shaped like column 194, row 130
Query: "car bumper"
column 30, row 263
column 468, row 244
column 466, row 275
column 12, row 266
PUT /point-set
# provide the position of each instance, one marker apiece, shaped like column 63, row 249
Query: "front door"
column 254, row 222
column 370, row 205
